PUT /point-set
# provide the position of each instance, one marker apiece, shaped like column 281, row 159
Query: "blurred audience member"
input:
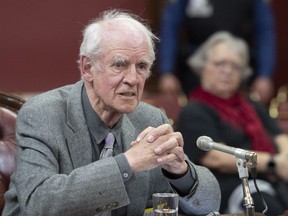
column 219, row 110
column 186, row 24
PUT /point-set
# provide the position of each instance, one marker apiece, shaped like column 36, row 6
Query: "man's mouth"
column 128, row 94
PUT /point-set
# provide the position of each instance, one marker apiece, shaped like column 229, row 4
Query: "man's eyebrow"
column 118, row 58
column 124, row 59
column 146, row 60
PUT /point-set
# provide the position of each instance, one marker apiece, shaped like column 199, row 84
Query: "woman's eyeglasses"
column 223, row 64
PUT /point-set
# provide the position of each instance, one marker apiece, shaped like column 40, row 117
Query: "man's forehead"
column 121, row 30
column 126, row 58
column 126, row 49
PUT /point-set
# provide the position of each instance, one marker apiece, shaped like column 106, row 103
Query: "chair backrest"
column 11, row 101
column 9, row 107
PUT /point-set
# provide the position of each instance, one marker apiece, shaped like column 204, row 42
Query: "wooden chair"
column 10, row 101
column 9, row 107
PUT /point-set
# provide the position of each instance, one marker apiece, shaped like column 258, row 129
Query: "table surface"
column 243, row 214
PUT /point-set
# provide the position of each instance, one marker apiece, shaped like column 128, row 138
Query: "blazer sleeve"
column 48, row 181
column 205, row 195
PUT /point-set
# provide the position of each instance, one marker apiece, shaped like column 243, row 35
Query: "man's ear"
column 86, row 68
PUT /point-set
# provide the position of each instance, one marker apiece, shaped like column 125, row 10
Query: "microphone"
column 206, row 143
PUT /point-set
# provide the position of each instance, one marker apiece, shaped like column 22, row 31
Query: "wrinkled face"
column 223, row 72
column 119, row 74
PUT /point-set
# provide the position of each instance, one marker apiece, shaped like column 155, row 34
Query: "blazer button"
column 125, row 175
column 106, row 207
column 99, row 209
column 114, row 204
column 111, row 205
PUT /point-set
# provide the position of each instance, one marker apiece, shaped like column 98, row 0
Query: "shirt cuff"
column 124, row 167
column 184, row 183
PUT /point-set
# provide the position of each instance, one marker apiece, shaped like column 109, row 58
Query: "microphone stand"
column 243, row 175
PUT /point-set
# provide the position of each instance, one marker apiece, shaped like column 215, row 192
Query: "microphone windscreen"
column 203, row 142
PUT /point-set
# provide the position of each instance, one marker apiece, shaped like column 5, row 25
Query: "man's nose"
column 131, row 75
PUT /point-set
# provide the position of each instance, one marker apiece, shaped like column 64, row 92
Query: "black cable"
column 254, row 175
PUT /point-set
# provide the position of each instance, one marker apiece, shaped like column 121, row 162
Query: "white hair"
column 199, row 59
column 93, row 34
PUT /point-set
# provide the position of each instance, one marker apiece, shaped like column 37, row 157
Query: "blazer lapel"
column 79, row 142
column 127, row 136
column 80, row 148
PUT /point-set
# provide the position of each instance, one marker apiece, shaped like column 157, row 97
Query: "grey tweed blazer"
column 55, row 174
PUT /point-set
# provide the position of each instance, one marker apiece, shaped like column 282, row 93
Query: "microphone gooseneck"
column 244, row 157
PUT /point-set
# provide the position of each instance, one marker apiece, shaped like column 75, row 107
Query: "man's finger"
column 159, row 131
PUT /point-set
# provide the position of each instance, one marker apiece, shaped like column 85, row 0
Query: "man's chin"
column 128, row 108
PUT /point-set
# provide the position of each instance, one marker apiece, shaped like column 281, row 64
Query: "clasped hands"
column 282, row 165
column 159, row 146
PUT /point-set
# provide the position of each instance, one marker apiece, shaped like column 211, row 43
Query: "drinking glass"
column 165, row 204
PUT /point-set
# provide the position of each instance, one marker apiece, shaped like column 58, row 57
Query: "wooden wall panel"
column 39, row 40
column 280, row 8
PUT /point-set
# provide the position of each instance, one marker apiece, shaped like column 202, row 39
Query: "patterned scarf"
column 240, row 114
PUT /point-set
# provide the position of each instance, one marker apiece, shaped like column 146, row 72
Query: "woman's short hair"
column 199, row 59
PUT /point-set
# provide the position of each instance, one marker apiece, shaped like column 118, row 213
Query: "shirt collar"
column 98, row 129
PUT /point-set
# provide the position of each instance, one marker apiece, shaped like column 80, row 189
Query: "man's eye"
column 119, row 64
column 143, row 67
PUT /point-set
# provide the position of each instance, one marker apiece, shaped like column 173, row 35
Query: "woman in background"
column 218, row 109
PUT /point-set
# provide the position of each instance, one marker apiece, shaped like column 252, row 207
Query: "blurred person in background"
column 186, row 24
column 219, row 110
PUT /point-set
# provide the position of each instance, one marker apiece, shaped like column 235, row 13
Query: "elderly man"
column 63, row 166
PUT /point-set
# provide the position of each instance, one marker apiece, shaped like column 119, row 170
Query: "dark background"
column 40, row 39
